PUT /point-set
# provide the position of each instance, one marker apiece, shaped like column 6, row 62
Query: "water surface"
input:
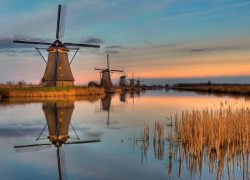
column 116, row 120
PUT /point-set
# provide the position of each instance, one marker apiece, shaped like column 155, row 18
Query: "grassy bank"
column 52, row 92
column 217, row 88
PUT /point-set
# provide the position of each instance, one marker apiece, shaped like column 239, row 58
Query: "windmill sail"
column 106, row 81
column 61, row 16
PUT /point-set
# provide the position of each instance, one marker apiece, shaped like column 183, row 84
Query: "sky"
column 159, row 41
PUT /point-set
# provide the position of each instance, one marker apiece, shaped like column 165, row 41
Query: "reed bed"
column 213, row 139
column 158, row 140
column 218, row 138
column 39, row 91
column 228, row 89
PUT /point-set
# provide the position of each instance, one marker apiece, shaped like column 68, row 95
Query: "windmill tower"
column 123, row 81
column 105, row 76
column 138, row 82
column 132, row 82
column 58, row 117
column 58, row 71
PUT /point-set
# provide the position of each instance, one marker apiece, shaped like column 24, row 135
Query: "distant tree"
column 9, row 83
column 93, row 84
column 21, row 83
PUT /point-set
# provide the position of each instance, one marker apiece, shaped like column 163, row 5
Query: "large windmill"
column 105, row 76
column 58, row 71
column 58, row 117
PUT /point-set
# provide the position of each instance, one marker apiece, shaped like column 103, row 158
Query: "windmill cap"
column 57, row 44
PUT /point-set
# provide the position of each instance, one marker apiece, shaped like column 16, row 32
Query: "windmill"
column 105, row 77
column 58, row 71
column 58, row 117
column 138, row 82
column 123, row 80
column 132, row 82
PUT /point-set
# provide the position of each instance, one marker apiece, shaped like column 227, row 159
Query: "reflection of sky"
column 109, row 159
column 154, row 39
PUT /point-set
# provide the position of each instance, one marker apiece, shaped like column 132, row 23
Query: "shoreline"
column 49, row 92
column 236, row 89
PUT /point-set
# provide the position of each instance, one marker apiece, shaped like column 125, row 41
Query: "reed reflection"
column 58, row 121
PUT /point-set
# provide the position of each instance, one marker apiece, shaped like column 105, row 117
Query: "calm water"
column 117, row 121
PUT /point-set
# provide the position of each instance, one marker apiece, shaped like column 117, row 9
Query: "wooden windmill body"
column 58, row 71
column 123, row 81
column 105, row 76
column 132, row 82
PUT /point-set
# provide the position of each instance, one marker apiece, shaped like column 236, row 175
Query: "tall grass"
column 215, row 137
column 39, row 91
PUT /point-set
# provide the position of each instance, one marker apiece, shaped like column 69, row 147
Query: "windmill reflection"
column 58, row 116
column 107, row 106
column 106, row 103
column 123, row 96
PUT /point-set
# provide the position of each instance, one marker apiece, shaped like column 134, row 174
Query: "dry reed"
column 217, row 137
column 38, row 91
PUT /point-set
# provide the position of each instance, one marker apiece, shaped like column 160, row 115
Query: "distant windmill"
column 58, row 71
column 58, row 117
column 132, row 82
column 105, row 76
column 123, row 81
column 138, row 82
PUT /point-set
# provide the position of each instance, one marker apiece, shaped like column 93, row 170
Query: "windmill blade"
column 108, row 61
column 30, row 148
column 31, row 145
column 62, row 21
column 58, row 21
column 99, row 69
column 61, row 162
column 116, row 70
column 84, row 142
column 30, row 42
column 82, row 45
column 31, row 39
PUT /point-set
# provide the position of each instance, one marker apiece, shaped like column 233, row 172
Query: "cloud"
column 94, row 134
column 112, row 52
column 94, row 40
column 6, row 43
column 209, row 49
column 10, row 133
column 115, row 49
